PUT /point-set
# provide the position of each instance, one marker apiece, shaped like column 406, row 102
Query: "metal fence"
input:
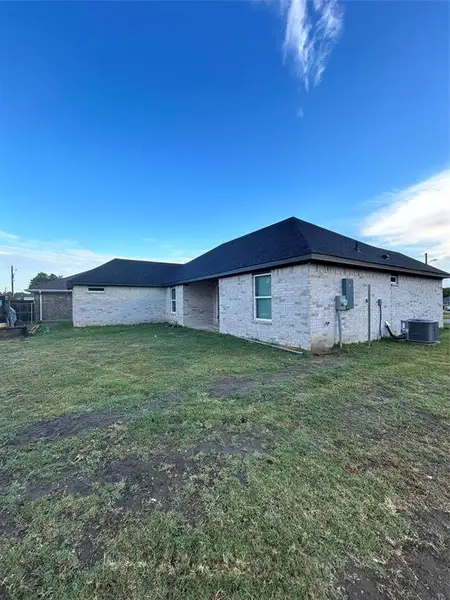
column 24, row 310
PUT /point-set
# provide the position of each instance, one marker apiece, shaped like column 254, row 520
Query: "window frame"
column 394, row 280
column 96, row 289
column 173, row 300
column 256, row 298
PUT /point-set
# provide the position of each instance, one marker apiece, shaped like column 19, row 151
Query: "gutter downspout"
column 339, row 327
column 40, row 306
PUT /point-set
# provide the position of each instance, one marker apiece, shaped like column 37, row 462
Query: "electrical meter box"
column 348, row 292
column 340, row 302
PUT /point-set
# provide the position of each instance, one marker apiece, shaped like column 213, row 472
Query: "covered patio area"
column 201, row 305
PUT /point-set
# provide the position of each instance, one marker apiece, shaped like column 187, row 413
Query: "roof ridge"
column 244, row 235
column 296, row 223
column 142, row 260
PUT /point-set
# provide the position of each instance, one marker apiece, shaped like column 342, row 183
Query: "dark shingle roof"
column 287, row 242
column 121, row 271
column 60, row 284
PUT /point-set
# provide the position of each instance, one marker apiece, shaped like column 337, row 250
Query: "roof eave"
column 370, row 265
column 33, row 291
column 313, row 257
column 268, row 265
column 100, row 284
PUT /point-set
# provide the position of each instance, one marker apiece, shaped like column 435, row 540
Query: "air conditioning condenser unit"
column 424, row 331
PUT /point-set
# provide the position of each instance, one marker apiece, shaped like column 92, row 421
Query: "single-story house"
column 278, row 284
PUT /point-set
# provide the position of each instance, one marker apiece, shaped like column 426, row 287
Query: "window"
column 173, row 299
column 263, row 297
column 394, row 279
column 96, row 290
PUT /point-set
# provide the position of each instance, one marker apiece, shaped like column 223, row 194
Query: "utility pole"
column 13, row 271
column 427, row 262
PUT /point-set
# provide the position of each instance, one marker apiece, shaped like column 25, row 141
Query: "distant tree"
column 42, row 277
column 446, row 292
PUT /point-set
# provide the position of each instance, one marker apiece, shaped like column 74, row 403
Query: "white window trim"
column 394, row 283
column 99, row 290
column 173, row 300
column 255, row 297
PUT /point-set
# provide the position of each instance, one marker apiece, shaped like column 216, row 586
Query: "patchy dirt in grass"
column 166, row 482
column 224, row 388
column 153, row 480
column 420, row 571
column 91, row 549
column 8, row 525
column 5, row 481
column 192, row 507
column 148, row 482
column 65, row 426
column 160, row 484
column 231, row 444
column 242, row 478
column 430, row 421
column 72, row 424
column 381, row 394
column 149, row 485
column 436, row 524
column 362, row 421
column 39, row 488
column 169, row 400
column 93, row 544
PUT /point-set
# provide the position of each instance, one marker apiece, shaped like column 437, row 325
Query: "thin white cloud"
column 62, row 257
column 8, row 236
column 416, row 218
column 312, row 29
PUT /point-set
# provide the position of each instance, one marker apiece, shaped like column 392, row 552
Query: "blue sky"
column 160, row 129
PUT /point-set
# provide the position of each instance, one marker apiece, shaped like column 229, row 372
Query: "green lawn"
column 153, row 462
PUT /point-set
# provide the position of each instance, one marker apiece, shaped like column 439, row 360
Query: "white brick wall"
column 195, row 305
column 290, row 304
column 178, row 316
column 118, row 306
column 199, row 302
column 413, row 298
column 303, row 305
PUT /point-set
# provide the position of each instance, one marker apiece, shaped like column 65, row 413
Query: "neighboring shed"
column 53, row 300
